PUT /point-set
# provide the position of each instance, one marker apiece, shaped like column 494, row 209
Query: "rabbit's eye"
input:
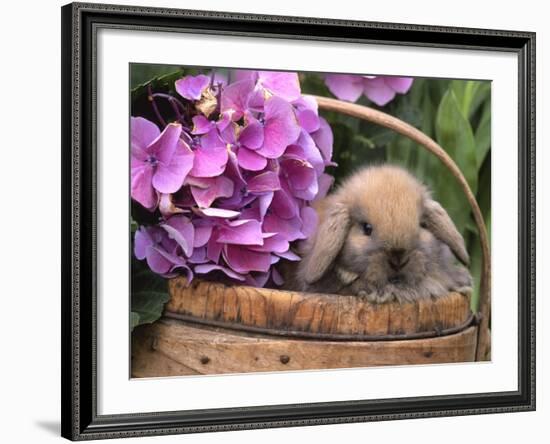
column 367, row 228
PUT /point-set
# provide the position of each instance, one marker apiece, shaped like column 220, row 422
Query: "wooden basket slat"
column 175, row 348
column 324, row 314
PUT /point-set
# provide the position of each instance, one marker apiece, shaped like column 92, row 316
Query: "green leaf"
column 470, row 94
column 352, row 149
column 148, row 305
column 133, row 225
column 141, row 73
column 483, row 195
column 134, row 320
column 483, row 134
column 149, row 294
column 482, row 96
column 454, row 134
column 363, row 142
column 475, row 263
column 161, row 83
column 475, row 269
column 401, row 151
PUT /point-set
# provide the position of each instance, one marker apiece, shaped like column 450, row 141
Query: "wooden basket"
column 211, row 328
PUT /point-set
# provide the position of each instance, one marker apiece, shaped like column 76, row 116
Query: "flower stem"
column 189, row 138
column 176, row 105
column 151, row 98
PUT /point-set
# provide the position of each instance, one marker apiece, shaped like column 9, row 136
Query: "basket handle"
column 403, row 128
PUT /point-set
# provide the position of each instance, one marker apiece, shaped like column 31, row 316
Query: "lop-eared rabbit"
column 383, row 237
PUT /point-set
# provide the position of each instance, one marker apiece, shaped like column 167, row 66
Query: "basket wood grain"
column 314, row 315
column 174, row 348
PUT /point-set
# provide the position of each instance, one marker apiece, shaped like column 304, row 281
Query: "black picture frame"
column 79, row 397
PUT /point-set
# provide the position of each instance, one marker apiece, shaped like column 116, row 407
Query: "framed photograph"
column 280, row 221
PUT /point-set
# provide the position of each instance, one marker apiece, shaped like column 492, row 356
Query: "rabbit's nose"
column 397, row 259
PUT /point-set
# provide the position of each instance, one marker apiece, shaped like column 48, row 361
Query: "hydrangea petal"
column 309, row 221
column 229, row 133
column 218, row 78
column 264, row 182
column 399, row 84
column 209, row 162
column 256, row 100
column 202, row 235
column 284, row 205
column 308, row 120
column 241, row 233
column 378, row 91
column 218, row 212
column 290, row 256
column 176, row 262
column 224, row 121
column 280, row 129
column 290, row 228
column 264, row 201
column 250, row 160
column 210, row 189
column 345, row 86
column 201, row 125
column 191, row 87
column 307, row 102
column 306, row 149
column 276, row 276
column 233, row 172
column 182, row 231
column 273, row 244
column 198, row 256
column 164, row 146
column 142, row 132
column 234, row 98
column 282, row 84
column 310, row 192
column 243, row 260
column 244, row 74
column 324, row 139
column 141, row 189
column 142, row 241
column 325, row 181
column 207, row 268
column 300, row 173
column 157, row 262
column 257, row 279
column 214, row 250
column 169, row 178
column 252, row 136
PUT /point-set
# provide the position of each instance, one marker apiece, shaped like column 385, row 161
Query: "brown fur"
column 341, row 258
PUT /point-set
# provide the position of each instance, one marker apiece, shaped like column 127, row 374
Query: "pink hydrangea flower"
column 379, row 89
column 160, row 162
column 233, row 188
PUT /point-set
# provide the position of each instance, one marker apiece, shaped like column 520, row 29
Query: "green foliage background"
column 455, row 113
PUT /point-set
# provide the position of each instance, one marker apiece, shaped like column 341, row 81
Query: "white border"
column 118, row 394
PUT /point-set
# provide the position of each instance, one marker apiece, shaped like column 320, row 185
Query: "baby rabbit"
column 381, row 236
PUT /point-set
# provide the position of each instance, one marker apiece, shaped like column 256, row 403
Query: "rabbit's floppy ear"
column 329, row 239
column 442, row 227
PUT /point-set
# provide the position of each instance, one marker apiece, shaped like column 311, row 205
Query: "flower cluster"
column 378, row 89
column 232, row 177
